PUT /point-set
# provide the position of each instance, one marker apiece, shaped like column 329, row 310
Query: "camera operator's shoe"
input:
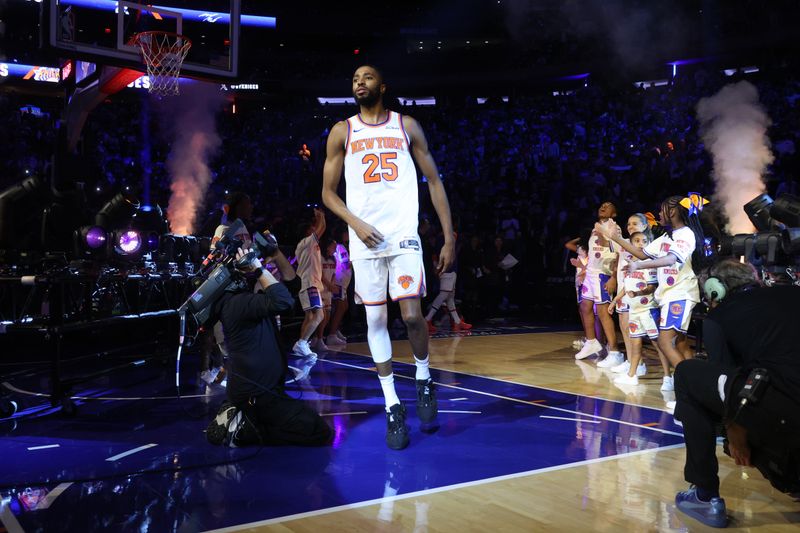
column 217, row 430
column 396, row 428
column 302, row 349
column 711, row 513
column 427, row 407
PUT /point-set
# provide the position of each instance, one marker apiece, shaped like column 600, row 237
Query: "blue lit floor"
column 487, row 429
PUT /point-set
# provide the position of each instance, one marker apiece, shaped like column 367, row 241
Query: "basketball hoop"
column 163, row 53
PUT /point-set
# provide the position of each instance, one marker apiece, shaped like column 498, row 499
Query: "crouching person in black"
column 258, row 410
column 750, row 385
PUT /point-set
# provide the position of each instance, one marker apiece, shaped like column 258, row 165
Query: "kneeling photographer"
column 750, row 384
column 259, row 411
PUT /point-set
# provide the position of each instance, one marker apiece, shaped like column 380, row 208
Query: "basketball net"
column 163, row 54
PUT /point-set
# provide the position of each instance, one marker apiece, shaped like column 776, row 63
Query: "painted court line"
column 52, row 495
column 12, row 388
column 426, row 492
column 131, row 452
column 8, row 520
column 456, row 399
column 462, row 412
column 346, row 413
column 527, row 402
column 44, row 447
column 572, row 419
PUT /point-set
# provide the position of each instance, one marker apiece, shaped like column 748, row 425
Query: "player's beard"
column 369, row 99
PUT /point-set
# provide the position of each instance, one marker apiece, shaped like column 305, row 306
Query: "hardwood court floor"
column 632, row 492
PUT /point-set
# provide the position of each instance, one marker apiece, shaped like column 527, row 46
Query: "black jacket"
column 758, row 328
column 257, row 361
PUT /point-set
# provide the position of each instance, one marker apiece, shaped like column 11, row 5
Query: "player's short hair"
column 643, row 234
column 378, row 71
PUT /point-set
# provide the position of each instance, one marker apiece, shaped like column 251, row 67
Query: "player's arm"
column 667, row 260
column 319, row 223
column 422, row 155
column 331, row 176
column 612, row 233
column 572, row 245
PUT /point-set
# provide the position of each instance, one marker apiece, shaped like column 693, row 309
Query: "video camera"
column 221, row 269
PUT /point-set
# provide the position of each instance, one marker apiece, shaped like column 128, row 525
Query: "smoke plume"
column 195, row 141
column 733, row 126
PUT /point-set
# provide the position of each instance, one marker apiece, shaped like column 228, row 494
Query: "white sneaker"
column 613, row 359
column 302, row 349
column 671, row 407
column 592, row 347
column 621, row 368
column 334, row 340
column 625, row 379
column 667, row 384
column 641, row 370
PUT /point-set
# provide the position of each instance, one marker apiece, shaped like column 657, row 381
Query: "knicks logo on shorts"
column 633, row 327
column 584, row 288
column 676, row 309
column 405, row 281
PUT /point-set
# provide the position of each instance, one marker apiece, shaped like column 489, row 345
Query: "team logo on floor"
column 676, row 309
column 405, row 281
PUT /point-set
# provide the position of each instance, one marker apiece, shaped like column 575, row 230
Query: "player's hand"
column 446, row 258
column 370, row 236
column 737, row 444
column 630, row 294
column 611, row 286
column 575, row 262
column 611, row 309
column 632, row 267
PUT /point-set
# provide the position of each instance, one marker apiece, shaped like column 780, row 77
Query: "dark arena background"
column 130, row 134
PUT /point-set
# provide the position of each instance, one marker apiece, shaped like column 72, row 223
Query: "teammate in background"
column 577, row 246
column 447, row 296
column 341, row 283
column 375, row 147
column 328, row 247
column 672, row 254
column 641, row 308
column 309, row 268
column 597, row 288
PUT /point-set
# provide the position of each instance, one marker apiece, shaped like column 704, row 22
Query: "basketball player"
column 375, row 147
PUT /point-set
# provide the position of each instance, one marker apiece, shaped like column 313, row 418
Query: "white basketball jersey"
column 381, row 185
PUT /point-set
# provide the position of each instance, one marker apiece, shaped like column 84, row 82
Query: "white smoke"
column 733, row 126
column 195, row 141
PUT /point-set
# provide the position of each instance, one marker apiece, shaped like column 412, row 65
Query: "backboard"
column 102, row 31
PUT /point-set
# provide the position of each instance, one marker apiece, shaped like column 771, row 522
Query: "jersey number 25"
column 388, row 169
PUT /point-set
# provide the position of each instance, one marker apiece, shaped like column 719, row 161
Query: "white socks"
column 423, row 372
column 389, row 394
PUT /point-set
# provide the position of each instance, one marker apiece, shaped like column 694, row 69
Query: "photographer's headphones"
column 715, row 289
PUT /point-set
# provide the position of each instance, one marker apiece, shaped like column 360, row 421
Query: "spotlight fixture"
column 787, row 210
column 91, row 241
column 768, row 245
column 758, row 211
column 128, row 243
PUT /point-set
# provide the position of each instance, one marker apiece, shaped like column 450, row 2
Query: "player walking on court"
column 376, row 147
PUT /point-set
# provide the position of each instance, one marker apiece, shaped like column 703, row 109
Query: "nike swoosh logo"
column 356, row 131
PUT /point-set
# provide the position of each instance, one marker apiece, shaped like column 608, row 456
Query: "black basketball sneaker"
column 427, row 408
column 396, row 428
